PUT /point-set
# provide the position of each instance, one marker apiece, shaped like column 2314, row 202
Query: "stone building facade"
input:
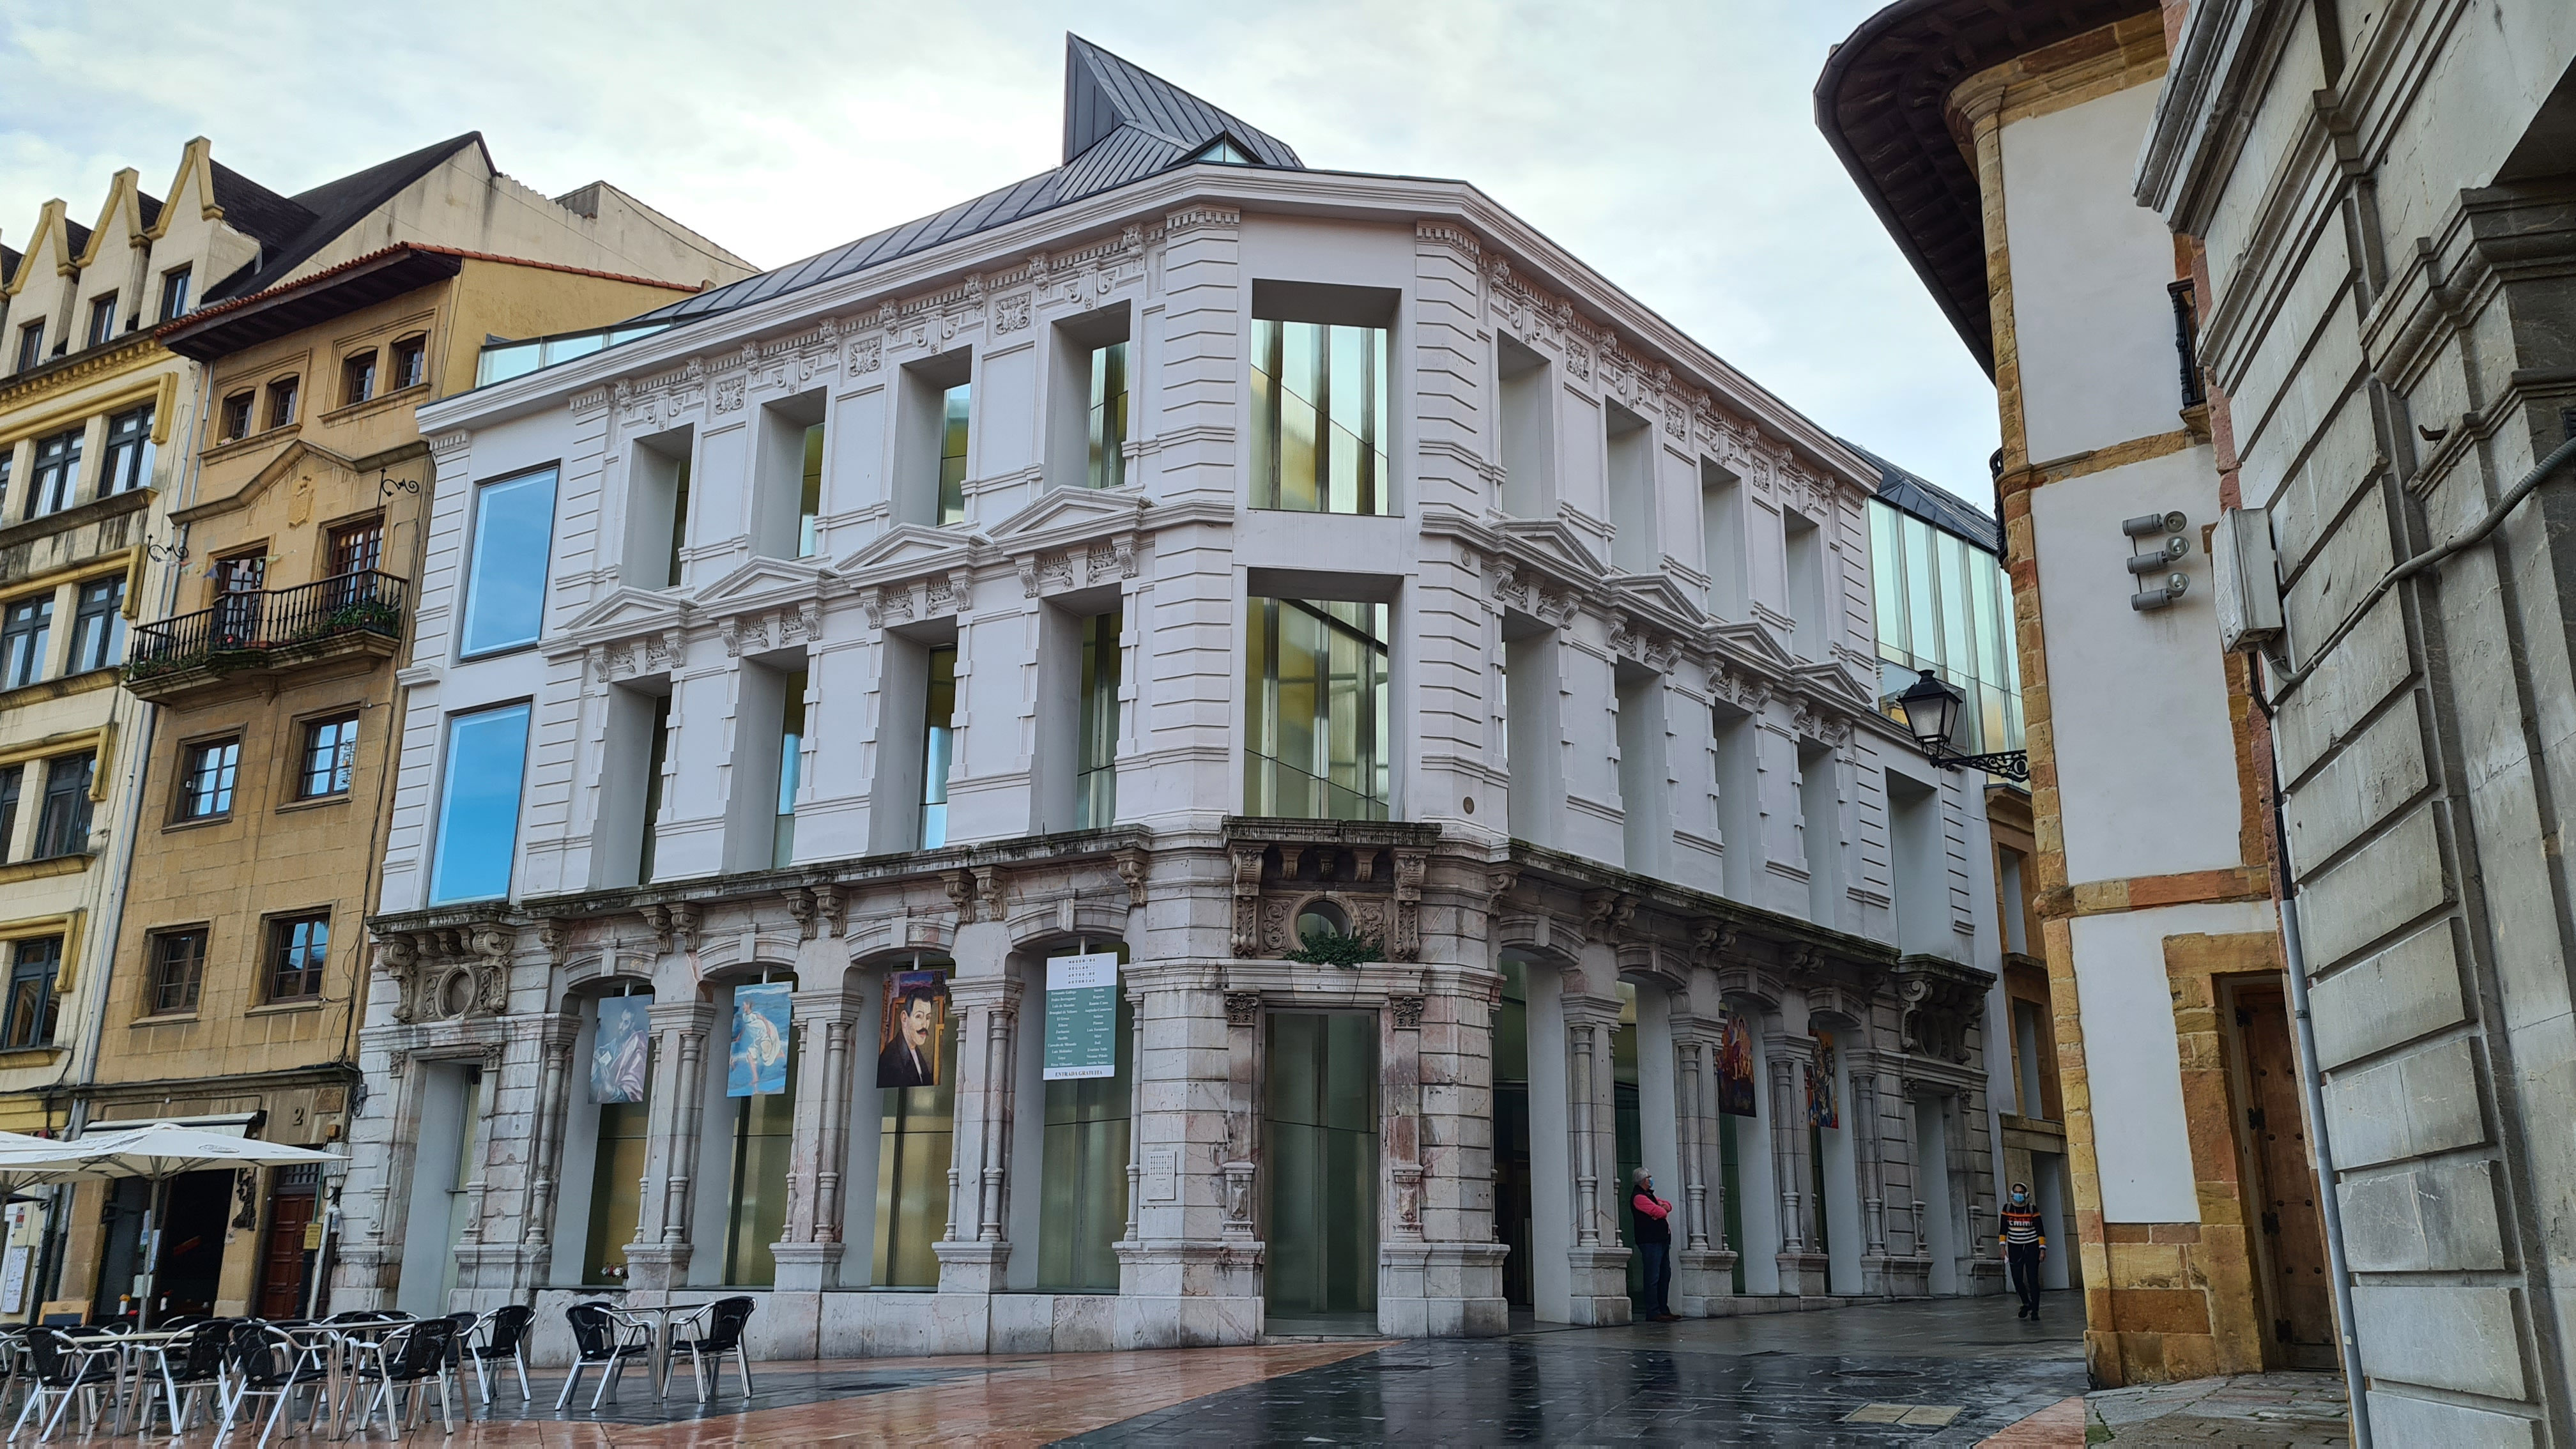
column 2380, row 202
column 1191, row 557
column 1994, row 142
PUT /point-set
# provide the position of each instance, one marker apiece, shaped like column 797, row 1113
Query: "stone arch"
column 1067, row 918
column 887, row 935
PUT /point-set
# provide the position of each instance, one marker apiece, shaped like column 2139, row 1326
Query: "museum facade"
column 1438, row 694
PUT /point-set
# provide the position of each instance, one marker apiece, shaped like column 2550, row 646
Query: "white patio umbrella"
column 155, row 1152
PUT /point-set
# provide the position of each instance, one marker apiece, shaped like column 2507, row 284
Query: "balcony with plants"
column 269, row 632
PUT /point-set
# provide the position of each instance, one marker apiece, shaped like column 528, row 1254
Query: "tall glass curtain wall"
column 616, row 1188
column 1316, row 680
column 1321, row 1152
column 1319, row 414
column 1628, row 1120
column 916, row 1130
column 1083, row 1210
column 809, row 492
column 938, row 713
column 954, row 405
column 1512, row 1133
column 1096, row 771
column 1945, row 605
column 791, row 764
column 763, row 1142
column 1108, row 465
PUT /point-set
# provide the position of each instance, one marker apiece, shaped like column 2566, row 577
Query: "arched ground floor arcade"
column 895, row 1102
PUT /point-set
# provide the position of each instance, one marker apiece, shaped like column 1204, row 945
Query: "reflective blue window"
column 478, row 805
column 505, row 584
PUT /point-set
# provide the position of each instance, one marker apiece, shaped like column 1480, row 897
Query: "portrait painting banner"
column 1735, row 1088
column 620, row 1048
column 916, row 1012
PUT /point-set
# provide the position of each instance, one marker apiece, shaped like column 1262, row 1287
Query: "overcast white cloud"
column 1672, row 146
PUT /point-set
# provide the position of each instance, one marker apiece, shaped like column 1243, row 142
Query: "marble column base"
column 1441, row 1290
column 363, row 1276
column 1893, row 1277
column 1701, row 1277
column 1805, row 1275
column 806, row 1267
column 657, row 1267
column 975, row 1267
column 1986, row 1275
column 1597, row 1287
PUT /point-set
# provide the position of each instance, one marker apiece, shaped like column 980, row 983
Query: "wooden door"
column 2285, row 1185
column 281, row 1261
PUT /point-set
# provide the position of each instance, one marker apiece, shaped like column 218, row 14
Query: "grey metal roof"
column 1912, row 493
column 1121, row 125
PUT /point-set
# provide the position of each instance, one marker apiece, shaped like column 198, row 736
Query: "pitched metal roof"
column 1909, row 492
column 1121, row 125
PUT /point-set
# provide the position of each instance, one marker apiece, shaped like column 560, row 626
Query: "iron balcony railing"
column 257, row 622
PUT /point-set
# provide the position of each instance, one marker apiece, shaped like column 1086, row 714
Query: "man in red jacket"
column 1651, row 1229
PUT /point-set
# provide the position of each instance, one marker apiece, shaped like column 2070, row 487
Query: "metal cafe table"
column 662, row 1313
column 131, row 1349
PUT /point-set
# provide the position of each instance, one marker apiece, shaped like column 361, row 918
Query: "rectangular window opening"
column 29, row 1018
column 299, row 947
column 26, row 631
column 330, row 757
column 207, row 774
column 1527, row 406
column 1095, row 800
column 1320, row 426
column 129, row 452
column 178, row 972
column 174, row 293
column 505, row 588
column 478, row 814
column 938, row 716
column 791, row 766
column 1317, row 726
column 102, row 320
column 62, row 827
column 57, row 474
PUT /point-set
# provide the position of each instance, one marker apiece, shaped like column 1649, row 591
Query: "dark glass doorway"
column 1320, row 1140
column 1512, row 1134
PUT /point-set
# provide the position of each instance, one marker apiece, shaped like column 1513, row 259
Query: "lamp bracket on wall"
column 387, row 485
column 165, row 552
column 1930, row 711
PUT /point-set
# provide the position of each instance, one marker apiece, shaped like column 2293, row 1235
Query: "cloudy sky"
column 1672, row 146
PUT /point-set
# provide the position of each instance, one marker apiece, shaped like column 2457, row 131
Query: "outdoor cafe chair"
column 605, row 1339
column 62, row 1371
column 269, row 1362
column 408, row 1358
column 716, row 1330
column 190, row 1366
column 501, row 1336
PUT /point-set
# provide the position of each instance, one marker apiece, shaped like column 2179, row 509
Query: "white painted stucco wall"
column 2092, row 317
column 2134, row 1058
column 2146, row 763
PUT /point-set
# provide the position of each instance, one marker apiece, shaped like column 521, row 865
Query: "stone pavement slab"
column 2305, row 1410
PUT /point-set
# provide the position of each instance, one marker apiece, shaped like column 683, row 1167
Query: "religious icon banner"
column 760, row 1026
column 620, row 1048
column 1081, row 1017
column 1822, row 1108
column 1735, row 1090
column 916, row 1011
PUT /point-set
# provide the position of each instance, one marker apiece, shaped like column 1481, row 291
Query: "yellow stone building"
column 137, row 481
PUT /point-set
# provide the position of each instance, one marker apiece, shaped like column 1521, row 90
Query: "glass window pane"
column 1319, row 408
column 478, row 811
column 1922, row 605
column 1887, row 576
column 505, row 590
column 1958, row 623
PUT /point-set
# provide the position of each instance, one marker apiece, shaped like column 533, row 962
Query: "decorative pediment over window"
column 760, row 582
column 1553, row 545
column 625, row 613
column 1659, row 599
column 1757, row 644
column 907, row 551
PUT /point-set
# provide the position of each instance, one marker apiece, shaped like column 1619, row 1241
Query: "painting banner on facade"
column 620, row 1048
column 1822, row 1109
column 916, row 1010
column 1082, row 1016
column 760, row 1026
column 1735, row 1094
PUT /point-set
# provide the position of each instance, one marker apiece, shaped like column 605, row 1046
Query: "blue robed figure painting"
column 760, row 1016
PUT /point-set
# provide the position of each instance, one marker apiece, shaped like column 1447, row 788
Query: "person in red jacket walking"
column 1651, row 1229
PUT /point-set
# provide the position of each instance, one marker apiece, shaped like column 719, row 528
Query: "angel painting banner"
column 760, row 1026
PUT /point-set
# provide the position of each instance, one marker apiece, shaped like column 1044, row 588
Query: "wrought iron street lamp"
column 1930, row 710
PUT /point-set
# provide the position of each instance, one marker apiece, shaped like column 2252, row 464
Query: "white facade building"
column 1183, row 554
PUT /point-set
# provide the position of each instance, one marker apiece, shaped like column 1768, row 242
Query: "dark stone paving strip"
column 1554, row 1390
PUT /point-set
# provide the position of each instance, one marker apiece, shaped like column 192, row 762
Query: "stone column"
column 1597, row 1277
column 1803, row 1270
column 367, row 1260
column 658, row 1261
column 809, row 1249
column 1462, row 1286
column 1191, row 1275
column 1703, row 1264
column 1401, row 1253
column 978, row 1252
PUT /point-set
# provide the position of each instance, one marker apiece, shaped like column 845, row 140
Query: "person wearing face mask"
column 1651, row 1229
column 2025, row 1247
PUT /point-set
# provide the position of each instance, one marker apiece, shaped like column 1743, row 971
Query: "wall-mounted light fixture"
column 1930, row 711
column 2160, row 558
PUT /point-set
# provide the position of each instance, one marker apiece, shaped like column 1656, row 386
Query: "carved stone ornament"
column 1242, row 1008
column 1405, row 1012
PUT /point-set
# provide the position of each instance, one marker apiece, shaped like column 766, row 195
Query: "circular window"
column 456, row 993
column 1322, row 918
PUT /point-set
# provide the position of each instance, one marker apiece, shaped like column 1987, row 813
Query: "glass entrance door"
column 1320, row 1136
